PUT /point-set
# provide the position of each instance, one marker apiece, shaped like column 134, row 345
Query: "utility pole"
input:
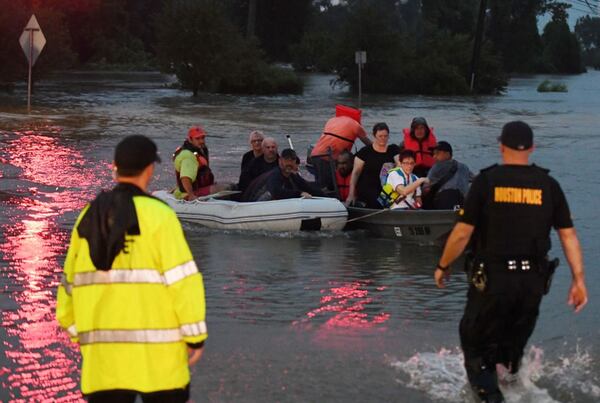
column 360, row 57
column 251, row 27
column 477, row 42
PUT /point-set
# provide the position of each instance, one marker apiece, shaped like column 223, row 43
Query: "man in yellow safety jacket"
column 131, row 294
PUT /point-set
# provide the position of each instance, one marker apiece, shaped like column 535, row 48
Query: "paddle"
column 222, row 193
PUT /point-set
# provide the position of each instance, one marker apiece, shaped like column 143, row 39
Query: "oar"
column 221, row 193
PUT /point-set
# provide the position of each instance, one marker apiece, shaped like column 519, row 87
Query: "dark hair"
column 380, row 126
column 407, row 154
column 346, row 153
column 129, row 172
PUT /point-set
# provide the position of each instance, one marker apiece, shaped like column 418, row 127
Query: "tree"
column 198, row 42
column 277, row 24
column 57, row 53
column 513, row 30
column 587, row 30
column 562, row 52
column 424, row 58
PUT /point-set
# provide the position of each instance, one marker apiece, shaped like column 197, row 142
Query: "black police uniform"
column 512, row 208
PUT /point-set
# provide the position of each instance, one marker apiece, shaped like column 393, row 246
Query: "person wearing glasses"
column 406, row 185
column 256, row 139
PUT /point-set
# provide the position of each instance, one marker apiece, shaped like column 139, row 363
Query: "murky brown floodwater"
column 308, row 317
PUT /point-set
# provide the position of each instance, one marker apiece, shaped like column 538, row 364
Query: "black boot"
column 484, row 381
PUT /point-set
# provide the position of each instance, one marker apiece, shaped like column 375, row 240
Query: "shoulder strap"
column 438, row 185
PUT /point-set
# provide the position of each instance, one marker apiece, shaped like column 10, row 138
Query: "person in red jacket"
column 420, row 139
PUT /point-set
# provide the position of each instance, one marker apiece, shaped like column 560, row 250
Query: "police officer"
column 131, row 295
column 508, row 213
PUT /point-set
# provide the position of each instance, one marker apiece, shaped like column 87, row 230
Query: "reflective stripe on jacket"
column 133, row 321
column 423, row 149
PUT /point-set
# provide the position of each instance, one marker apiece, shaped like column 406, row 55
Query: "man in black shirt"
column 509, row 212
column 282, row 182
column 260, row 165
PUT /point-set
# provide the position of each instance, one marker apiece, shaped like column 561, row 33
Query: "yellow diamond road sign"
column 32, row 40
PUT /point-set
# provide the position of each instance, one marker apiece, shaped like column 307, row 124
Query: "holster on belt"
column 475, row 269
column 548, row 269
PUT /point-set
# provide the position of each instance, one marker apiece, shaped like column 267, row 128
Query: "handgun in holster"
column 550, row 268
column 475, row 269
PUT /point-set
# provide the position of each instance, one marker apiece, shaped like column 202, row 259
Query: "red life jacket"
column 204, row 176
column 422, row 149
column 343, row 184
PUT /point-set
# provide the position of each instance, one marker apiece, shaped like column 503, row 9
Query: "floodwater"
column 309, row 317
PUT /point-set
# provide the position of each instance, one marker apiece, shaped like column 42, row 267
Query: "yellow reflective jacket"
column 133, row 322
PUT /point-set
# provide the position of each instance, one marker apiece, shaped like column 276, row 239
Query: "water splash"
column 441, row 376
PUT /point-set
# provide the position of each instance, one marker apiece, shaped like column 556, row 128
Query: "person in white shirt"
column 406, row 185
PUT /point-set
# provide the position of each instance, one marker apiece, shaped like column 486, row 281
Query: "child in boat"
column 406, row 185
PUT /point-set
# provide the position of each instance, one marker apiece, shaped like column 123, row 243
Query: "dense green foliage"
column 413, row 46
column 57, row 54
column 562, row 53
column 548, row 86
column 198, row 42
column 587, row 30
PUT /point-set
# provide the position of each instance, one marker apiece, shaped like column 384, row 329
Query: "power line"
column 591, row 5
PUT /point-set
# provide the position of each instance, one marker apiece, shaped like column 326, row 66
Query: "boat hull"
column 407, row 226
column 318, row 213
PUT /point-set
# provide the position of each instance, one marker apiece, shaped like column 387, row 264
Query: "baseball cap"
column 289, row 154
column 135, row 153
column 443, row 146
column 196, row 132
column 517, row 135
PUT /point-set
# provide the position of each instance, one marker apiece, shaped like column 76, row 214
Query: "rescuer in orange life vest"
column 339, row 134
column 420, row 139
column 194, row 176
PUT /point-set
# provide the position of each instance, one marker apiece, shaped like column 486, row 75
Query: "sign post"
column 360, row 57
column 32, row 42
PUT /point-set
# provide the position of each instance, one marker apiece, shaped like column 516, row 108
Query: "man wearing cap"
column 420, row 139
column 192, row 170
column 131, row 295
column 282, row 182
column 509, row 212
column 448, row 180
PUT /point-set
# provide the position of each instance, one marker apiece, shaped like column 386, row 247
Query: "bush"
column 547, row 86
column 198, row 43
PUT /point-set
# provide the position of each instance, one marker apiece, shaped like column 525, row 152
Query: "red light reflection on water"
column 345, row 309
column 42, row 362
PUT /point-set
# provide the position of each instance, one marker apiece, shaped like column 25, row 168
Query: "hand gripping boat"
column 317, row 213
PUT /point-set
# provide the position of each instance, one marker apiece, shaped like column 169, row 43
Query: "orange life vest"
column 423, row 149
column 343, row 184
column 204, row 177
